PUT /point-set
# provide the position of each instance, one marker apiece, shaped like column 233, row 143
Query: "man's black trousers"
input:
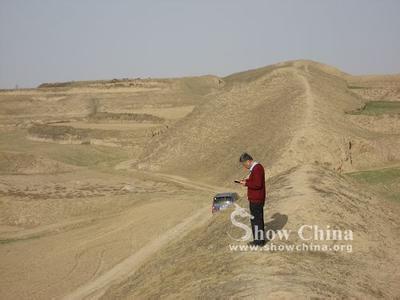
column 257, row 223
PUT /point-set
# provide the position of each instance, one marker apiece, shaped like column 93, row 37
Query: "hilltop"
column 285, row 114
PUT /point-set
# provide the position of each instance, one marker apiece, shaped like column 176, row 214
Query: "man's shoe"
column 257, row 243
column 261, row 243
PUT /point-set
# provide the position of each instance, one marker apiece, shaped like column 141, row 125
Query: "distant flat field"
column 109, row 125
column 374, row 108
column 75, row 90
column 170, row 113
column 386, row 181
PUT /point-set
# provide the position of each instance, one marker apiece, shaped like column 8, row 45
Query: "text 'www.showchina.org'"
column 271, row 247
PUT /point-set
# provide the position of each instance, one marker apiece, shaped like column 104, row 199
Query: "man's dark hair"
column 245, row 156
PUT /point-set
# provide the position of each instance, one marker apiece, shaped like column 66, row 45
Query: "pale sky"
column 62, row 40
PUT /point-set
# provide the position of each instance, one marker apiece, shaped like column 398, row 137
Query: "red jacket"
column 256, row 185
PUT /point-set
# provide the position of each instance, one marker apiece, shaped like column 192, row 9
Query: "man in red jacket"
column 256, row 195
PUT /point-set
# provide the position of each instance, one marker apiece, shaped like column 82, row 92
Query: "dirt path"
column 99, row 285
column 127, row 165
column 86, row 255
column 189, row 183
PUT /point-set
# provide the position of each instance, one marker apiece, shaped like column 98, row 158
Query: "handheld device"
column 237, row 181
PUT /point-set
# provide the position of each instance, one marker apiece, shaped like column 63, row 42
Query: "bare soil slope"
column 286, row 114
column 308, row 194
column 106, row 186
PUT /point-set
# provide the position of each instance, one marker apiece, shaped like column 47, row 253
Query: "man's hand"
column 243, row 182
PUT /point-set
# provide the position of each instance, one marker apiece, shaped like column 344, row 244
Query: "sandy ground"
column 122, row 209
column 102, row 232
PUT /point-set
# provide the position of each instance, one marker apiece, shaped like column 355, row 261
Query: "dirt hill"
column 286, row 114
column 299, row 119
column 201, row 265
column 106, row 186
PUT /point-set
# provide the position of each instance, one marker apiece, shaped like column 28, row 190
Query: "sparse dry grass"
column 386, row 181
column 374, row 108
column 97, row 217
column 107, row 116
